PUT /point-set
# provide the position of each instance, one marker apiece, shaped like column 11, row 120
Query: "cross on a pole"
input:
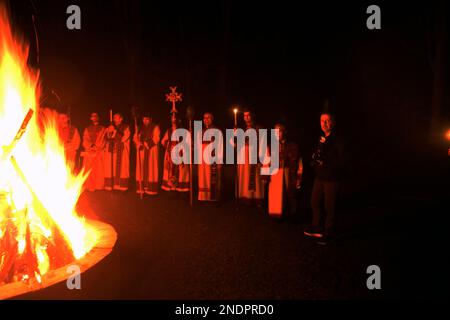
column 173, row 97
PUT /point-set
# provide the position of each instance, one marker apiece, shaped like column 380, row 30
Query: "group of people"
column 106, row 155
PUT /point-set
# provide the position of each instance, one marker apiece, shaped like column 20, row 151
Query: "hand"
column 298, row 184
column 111, row 130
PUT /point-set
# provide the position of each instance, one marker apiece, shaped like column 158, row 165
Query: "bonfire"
column 40, row 230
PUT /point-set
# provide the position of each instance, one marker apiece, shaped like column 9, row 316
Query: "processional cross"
column 174, row 97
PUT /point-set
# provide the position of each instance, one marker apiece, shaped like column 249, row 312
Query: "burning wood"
column 23, row 264
column 8, row 149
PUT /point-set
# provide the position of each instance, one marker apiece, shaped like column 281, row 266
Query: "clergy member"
column 117, row 155
column 250, row 184
column 284, row 183
column 147, row 141
column 175, row 176
column 70, row 137
column 93, row 143
column 209, row 172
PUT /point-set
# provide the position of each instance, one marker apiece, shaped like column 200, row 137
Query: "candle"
column 235, row 117
column 110, row 116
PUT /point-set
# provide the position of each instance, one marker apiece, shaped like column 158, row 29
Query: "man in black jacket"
column 327, row 163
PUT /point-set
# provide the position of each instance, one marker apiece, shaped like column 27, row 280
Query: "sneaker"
column 313, row 232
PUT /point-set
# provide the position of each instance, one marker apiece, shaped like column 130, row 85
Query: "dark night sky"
column 281, row 58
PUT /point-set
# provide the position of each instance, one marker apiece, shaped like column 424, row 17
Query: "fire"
column 39, row 227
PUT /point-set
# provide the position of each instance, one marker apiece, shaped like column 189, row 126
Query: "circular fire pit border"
column 107, row 237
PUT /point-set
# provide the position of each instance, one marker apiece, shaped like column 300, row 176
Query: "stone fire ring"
column 107, row 237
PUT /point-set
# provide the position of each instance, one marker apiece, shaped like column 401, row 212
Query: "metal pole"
column 112, row 151
column 191, row 192
column 236, row 177
column 141, row 192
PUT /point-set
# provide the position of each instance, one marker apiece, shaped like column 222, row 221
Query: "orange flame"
column 38, row 191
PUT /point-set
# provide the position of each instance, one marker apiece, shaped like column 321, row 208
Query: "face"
column 95, row 118
column 208, row 119
column 63, row 120
column 146, row 121
column 117, row 119
column 326, row 123
column 247, row 117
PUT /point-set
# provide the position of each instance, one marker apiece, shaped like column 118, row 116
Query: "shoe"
column 326, row 239
column 313, row 232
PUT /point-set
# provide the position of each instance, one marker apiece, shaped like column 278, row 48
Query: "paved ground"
column 167, row 250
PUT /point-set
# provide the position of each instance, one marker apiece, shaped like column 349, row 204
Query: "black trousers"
column 327, row 190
